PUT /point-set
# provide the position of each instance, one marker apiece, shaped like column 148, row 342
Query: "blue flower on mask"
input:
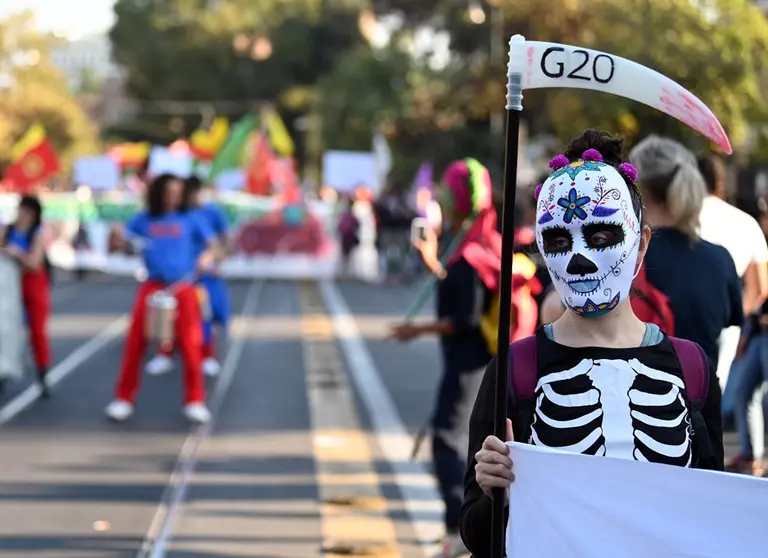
column 573, row 205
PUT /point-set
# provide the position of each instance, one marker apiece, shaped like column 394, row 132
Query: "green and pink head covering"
column 466, row 188
column 466, row 192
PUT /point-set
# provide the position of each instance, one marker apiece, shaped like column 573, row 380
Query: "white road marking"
column 391, row 434
column 64, row 368
column 163, row 523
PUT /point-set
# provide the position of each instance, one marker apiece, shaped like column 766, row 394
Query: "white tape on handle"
column 515, row 71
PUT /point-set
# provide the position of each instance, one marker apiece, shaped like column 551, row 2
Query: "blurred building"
column 86, row 59
column 95, row 78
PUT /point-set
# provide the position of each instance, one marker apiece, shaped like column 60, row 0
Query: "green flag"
column 230, row 155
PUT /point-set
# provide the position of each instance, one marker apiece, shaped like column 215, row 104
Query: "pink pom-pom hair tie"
column 628, row 170
column 559, row 162
column 592, row 155
column 538, row 191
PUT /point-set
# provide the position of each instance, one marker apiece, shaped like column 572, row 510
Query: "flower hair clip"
column 559, row 162
column 592, row 155
column 629, row 171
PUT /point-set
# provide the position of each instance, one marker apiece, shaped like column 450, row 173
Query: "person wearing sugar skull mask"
column 598, row 381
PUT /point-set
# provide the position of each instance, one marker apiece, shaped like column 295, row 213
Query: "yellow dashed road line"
column 354, row 513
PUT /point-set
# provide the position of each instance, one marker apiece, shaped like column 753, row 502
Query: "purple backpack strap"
column 695, row 367
column 523, row 369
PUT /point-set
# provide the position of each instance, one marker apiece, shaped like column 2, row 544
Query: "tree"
column 716, row 49
column 235, row 51
column 36, row 92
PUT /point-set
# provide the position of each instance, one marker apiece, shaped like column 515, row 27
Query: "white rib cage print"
column 614, row 408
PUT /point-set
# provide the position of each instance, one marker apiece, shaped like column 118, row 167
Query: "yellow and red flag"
column 130, row 155
column 33, row 137
column 205, row 144
column 33, row 162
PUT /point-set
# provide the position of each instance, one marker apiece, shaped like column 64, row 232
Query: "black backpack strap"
column 701, row 439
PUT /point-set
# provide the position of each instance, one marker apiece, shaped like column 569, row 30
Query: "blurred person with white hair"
column 740, row 234
column 698, row 277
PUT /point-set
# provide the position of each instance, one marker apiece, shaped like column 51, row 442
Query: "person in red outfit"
column 24, row 242
column 167, row 235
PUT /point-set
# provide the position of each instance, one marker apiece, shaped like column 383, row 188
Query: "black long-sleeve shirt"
column 462, row 298
column 476, row 509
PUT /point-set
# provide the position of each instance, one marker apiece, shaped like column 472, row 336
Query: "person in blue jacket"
column 213, row 293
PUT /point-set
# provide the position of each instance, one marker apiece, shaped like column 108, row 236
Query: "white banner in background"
column 581, row 506
column 162, row 160
column 270, row 240
column 562, row 66
column 98, row 173
column 230, row 180
column 346, row 170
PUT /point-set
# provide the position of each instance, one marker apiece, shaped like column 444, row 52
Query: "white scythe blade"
column 556, row 65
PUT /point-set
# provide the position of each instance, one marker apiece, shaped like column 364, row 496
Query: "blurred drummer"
column 168, row 235
column 24, row 242
column 215, row 295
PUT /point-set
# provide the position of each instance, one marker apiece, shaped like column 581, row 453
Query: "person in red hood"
column 466, row 294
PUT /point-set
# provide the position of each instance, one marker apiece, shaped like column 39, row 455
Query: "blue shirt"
column 20, row 239
column 215, row 220
column 170, row 241
column 701, row 282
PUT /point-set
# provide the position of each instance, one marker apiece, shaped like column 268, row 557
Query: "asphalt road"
column 308, row 453
column 254, row 482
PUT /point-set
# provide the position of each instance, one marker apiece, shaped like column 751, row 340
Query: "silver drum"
column 161, row 317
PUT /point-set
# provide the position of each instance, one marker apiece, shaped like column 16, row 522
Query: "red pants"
column 36, row 297
column 189, row 335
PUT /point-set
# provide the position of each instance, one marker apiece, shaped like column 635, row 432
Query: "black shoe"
column 45, row 391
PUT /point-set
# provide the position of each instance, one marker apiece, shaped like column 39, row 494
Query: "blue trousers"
column 751, row 377
column 218, row 298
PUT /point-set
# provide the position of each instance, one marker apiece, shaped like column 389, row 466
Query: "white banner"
column 271, row 240
column 582, row 506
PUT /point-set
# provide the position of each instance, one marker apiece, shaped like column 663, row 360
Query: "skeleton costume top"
column 626, row 403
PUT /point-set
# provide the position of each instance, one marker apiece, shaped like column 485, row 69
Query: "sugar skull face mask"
column 589, row 235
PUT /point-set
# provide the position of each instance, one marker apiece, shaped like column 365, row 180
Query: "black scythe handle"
column 514, row 108
column 505, row 296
